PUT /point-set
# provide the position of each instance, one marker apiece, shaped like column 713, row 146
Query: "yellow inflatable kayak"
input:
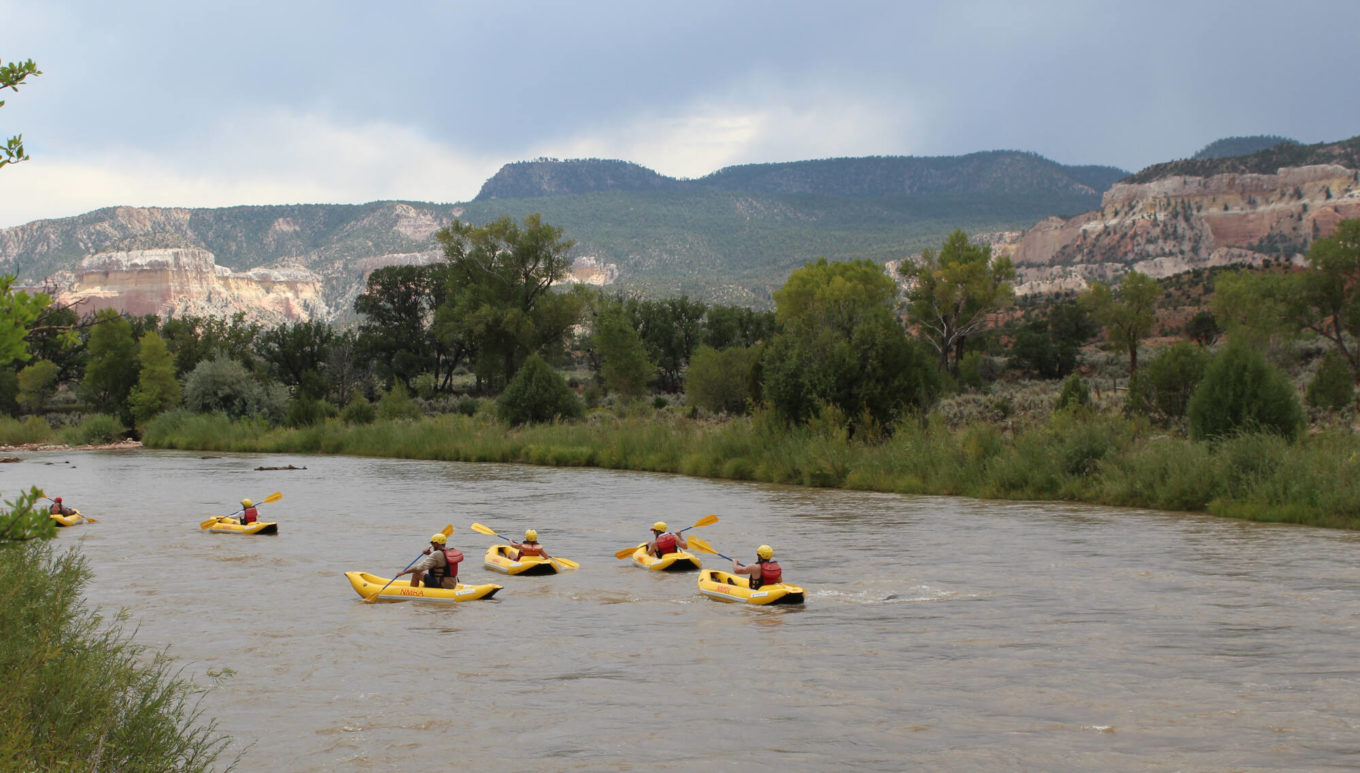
column 679, row 561
column 224, row 525
column 735, row 587
column 67, row 520
column 368, row 585
column 498, row 560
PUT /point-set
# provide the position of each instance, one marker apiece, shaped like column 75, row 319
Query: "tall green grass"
column 1073, row 454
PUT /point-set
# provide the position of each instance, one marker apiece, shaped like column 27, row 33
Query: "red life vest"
column 530, row 549
column 666, row 543
column 770, row 574
column 250, row 515
column 450, row 568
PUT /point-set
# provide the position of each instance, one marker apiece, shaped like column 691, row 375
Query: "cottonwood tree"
column 952, row 293
column 1127, row 314
column 157, row 390
column 500, row 305
column 397, row 332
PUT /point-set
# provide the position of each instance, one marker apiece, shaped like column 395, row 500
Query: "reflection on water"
column 939, row 634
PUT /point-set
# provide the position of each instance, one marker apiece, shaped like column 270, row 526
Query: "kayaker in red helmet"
column 664, row 542
column 764, row 571
column 59, row 509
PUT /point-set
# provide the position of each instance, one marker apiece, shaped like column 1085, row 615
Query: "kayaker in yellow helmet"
column 764, row 571
column 439, row 567
column 249, row 514
column 664, row 541
column 59, row 509
column 528, row 547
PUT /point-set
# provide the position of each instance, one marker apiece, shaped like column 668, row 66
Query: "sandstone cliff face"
column 180, row 282
column 1180, row 223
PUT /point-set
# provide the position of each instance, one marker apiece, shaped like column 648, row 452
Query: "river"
column 939, row 633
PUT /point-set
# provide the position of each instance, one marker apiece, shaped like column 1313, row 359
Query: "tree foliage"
column 1163, row 387
column 499, row 302
column 953, row 291
column 224, row 385
column 537, row 394
column 624, row 366
column 723, row 381
column 12, row 76
column 1241, row 392
column 1331, row 387
column 111, row 372
column 396, row 334
column 157, row 389
column 1050, row 347
column 1129, row 314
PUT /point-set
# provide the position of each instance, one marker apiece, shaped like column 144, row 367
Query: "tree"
column 954, row 291
column 1051, row 347
column 13, row 75
column 1331, row 387
column 728, row 326
column 296, row 354
column 723, row 381
column 1128, row 316
column 624, row 366
column 1331, row 292
column 539, row 394
column 499, row 305
column 1164, row 386
column 669, row 329
column 1241, row 392
column 157, row 389
column 18, row 311
column 398, row 305
column 37, row 384
column 1203, row 329
column 843, row 346
column 112, row 369
column 222, row 384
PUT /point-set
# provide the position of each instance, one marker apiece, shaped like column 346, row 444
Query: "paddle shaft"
column 705, row 521
column 375, row 596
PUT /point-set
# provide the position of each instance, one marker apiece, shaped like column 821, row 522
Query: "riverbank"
column 1072, row 455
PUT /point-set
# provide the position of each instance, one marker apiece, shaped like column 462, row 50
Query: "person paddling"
column 59, row 509
column 439, row 567
column 529, row 547
column 249, row 514
column 764, row 571
column 664, row 542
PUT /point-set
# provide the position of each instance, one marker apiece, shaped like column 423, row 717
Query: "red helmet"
column 57, row 500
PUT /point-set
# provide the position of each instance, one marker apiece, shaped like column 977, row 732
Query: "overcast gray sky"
column 216, row 104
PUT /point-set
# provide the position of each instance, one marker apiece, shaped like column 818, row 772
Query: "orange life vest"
column 530, row 549
column 770, row 574
column 666, row 543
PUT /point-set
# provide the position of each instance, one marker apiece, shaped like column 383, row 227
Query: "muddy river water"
column 938, row 633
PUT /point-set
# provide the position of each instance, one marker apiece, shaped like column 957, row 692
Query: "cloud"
column 276, row 157
column 761, row 121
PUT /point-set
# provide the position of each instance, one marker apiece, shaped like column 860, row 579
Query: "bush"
column 396, row 403
column 537, row 394
column 82, row 696
column 96, row 429
column 359, row 411
column 1241, row 392
column 224, row 385
column 1163, row 387
column 1331, row 387
column 1074, row 394
column 305, row 411
column 722, row 381
column 31, row 430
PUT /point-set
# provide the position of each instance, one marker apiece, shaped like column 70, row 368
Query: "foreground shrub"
column 78, row 695
column 1241, row 392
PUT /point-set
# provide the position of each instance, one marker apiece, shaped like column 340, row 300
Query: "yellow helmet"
column 530, row 535
column 659, row 526
column 765, row 551
column 439, row 539
column 247, row 503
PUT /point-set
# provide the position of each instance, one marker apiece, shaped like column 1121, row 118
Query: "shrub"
column 721, row 381
column 1163, row 387
column 1331, row 386
column 359, row 411
column 31, row 430
column 537, row 393
column 305, row 411
column 396, row 403
column 1074, row 393
column 1242, row 392
column 95, row 429
column 223, row 384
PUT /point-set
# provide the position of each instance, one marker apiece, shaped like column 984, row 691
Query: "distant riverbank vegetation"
column 1231, row 392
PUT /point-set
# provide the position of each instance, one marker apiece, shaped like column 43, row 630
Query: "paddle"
column 74, row 511
column 703, row 547
column 565, row 562
column 276, row 496
column 705, row 521
column 448, row 532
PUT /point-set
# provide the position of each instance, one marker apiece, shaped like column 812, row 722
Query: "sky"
column 298, row 101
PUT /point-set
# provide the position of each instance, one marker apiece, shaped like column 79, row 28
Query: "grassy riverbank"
column 1082, row 456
